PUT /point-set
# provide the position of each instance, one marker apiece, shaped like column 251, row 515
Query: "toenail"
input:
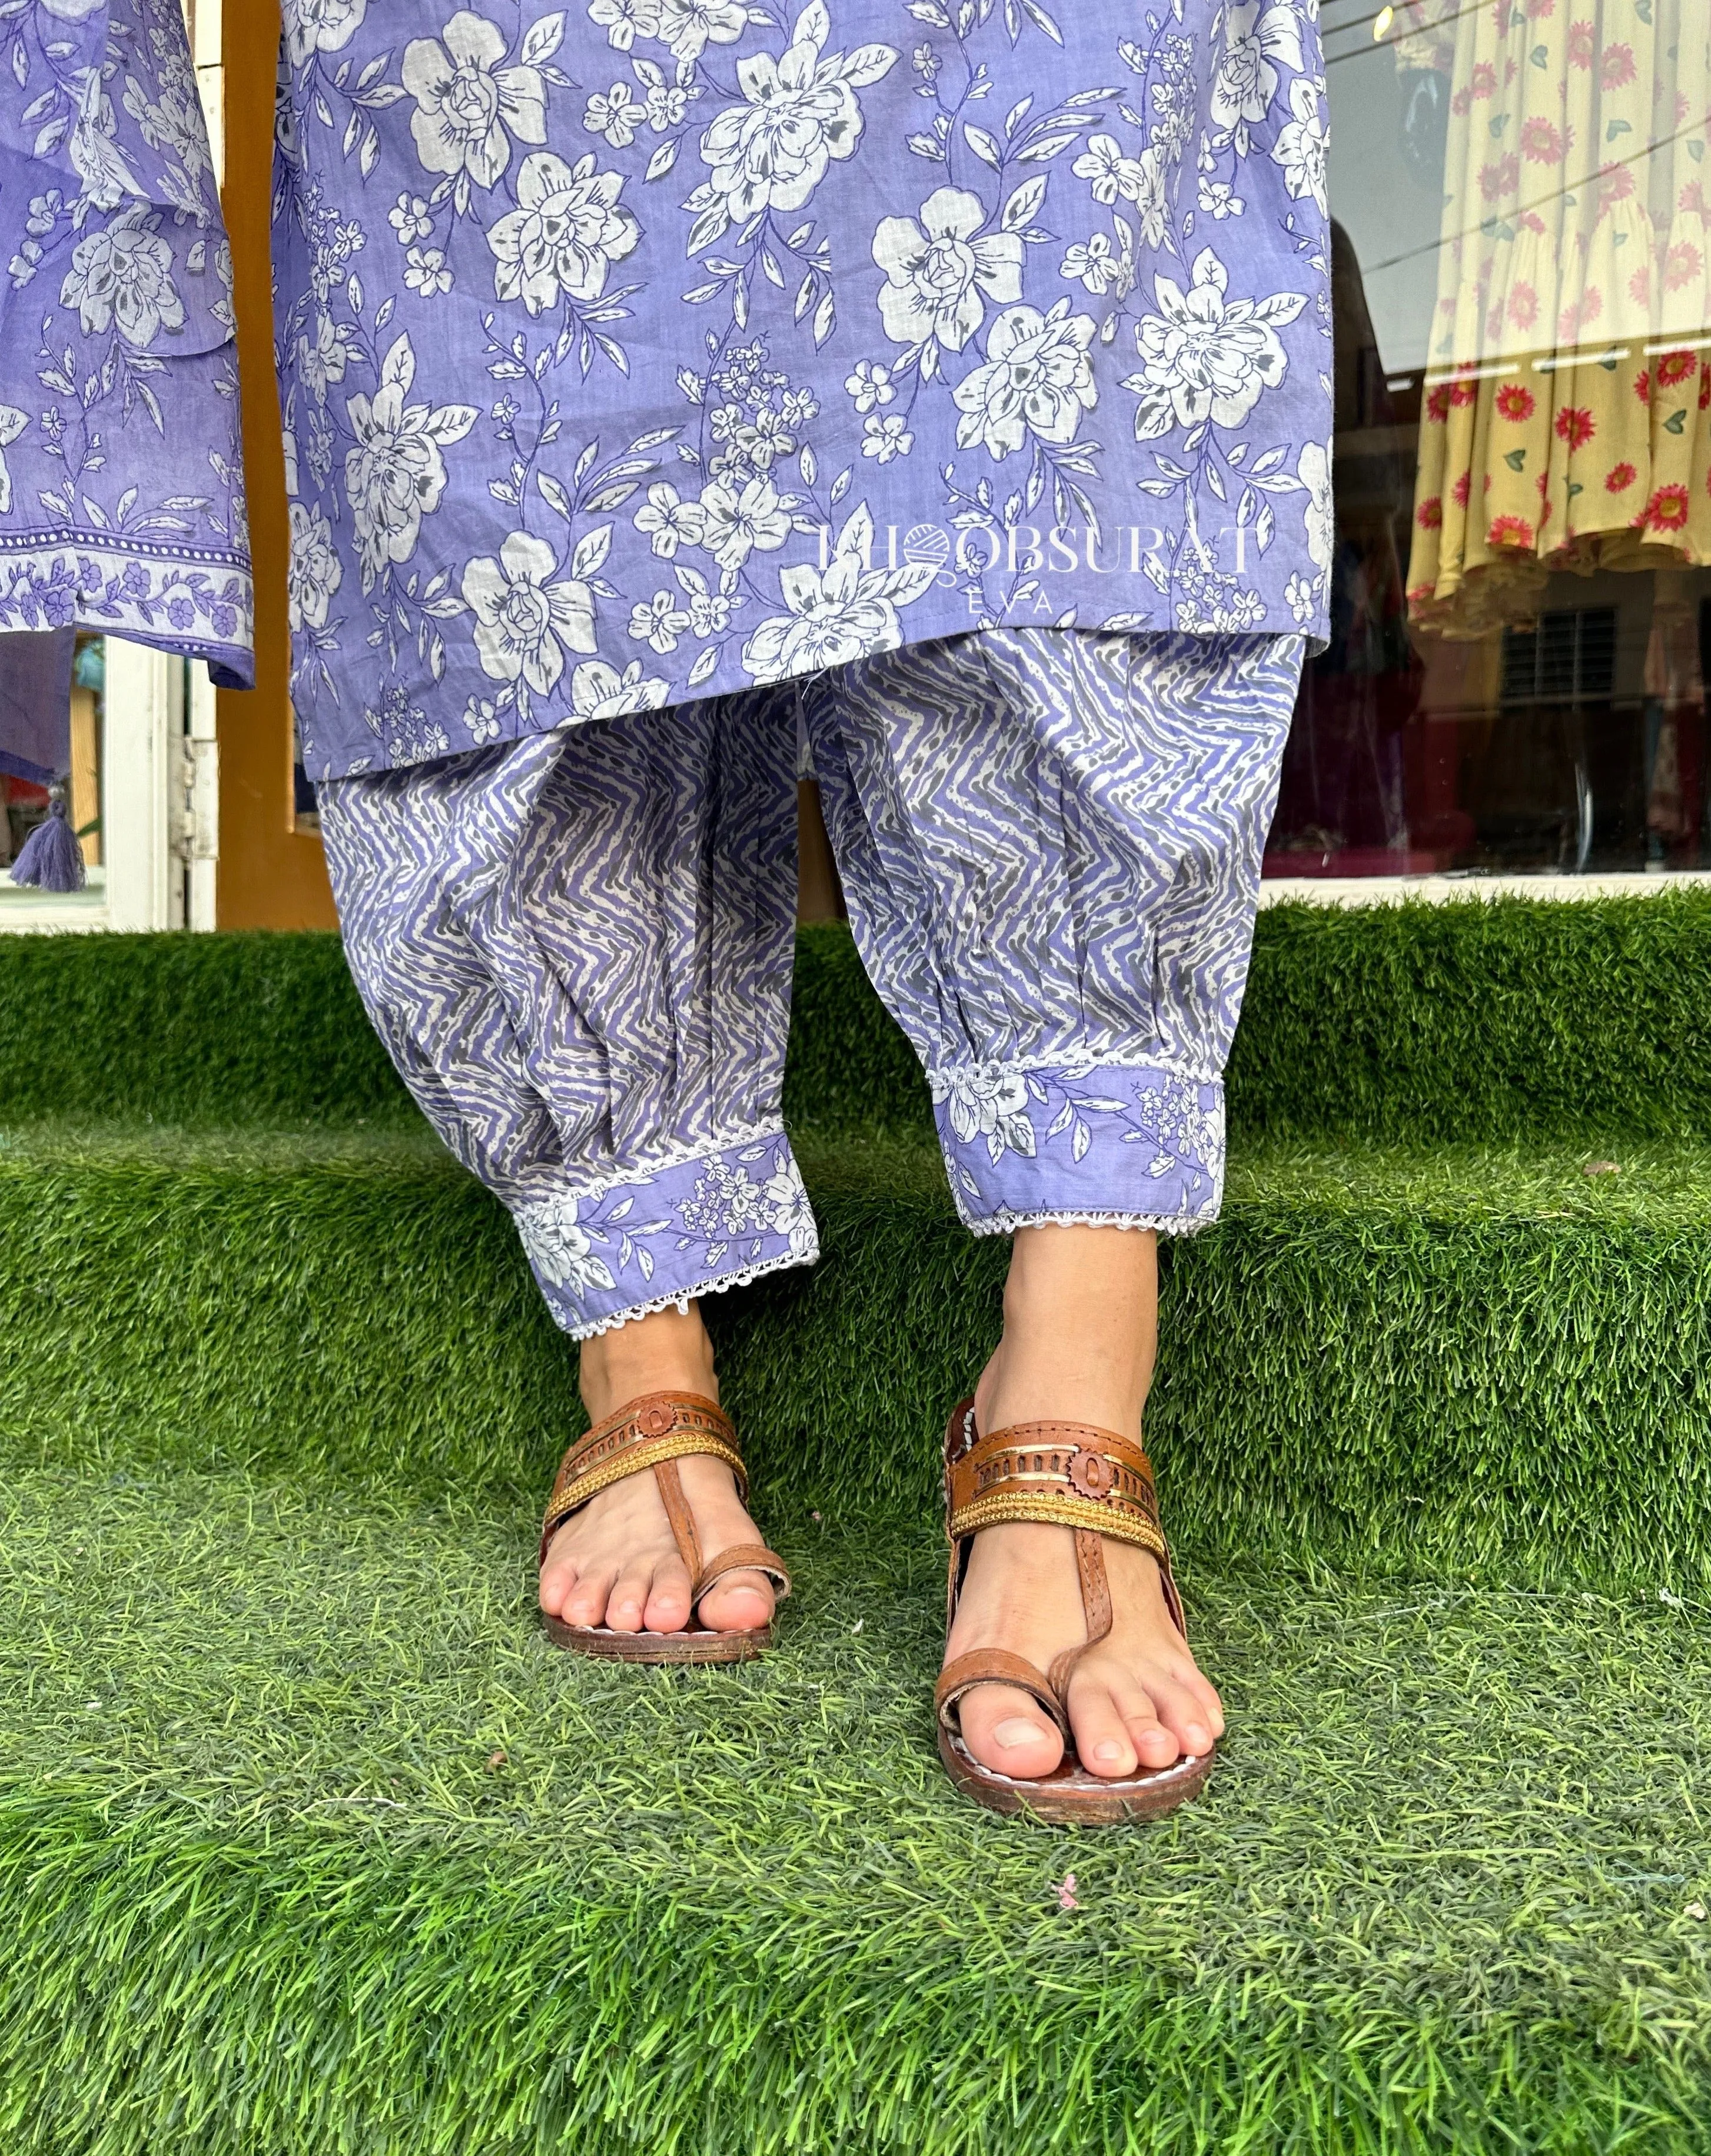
column 1199, row 1739
column 1107, row 1751
column 1010, row 1734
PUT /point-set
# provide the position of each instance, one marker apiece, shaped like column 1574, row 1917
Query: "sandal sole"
column 1070, row 1796
column 607, row 1646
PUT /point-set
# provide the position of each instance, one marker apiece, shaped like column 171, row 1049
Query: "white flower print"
column 395, row 476
column 570, row 229
column 95, row 156
column 666, row 105
column 1038, row 379
column 175, row 123
column 786, row 1200
column 425, row 272
column 1303, row 597
column 410, row 218
column 1255, row 36
column 799, row 113
column 465, row 102
column 1115, row 177
column 689, row 26
column 314, row 573
column 481, row 717
column 326, row 358
column 615, row 114
column 1207, row 358
column 523, row 616
column 739, row 520
column 559, row 1248
column 838, row 616
column 870, row 384
column 886, row 437
column 122, row 275
column 1314, row 472
column 987, row 1100
column 939, row 274
column 1302, row 145
column 669, row 522
column 1220, row 201
column 709, row 613
column 657, row 622
column 598, row 690
column 1098, row 266
column 320, row 25
column 13, row 423
column 624, row 21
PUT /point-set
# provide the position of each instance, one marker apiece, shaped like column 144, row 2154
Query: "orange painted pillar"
column 270, row 876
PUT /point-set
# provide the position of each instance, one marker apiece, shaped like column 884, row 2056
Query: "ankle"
column 1080, row 1330
column 666, row 1352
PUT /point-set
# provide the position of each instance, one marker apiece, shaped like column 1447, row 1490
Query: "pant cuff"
column 1125, row 1145
column 604, row 1253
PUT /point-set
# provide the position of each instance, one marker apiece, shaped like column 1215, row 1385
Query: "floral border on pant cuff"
column 645, row 1242
column 1132, row 1143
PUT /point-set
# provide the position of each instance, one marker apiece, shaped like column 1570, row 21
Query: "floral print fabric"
column 636, row 350
column 122, row 491
column 1568, row 400
column 577, row 947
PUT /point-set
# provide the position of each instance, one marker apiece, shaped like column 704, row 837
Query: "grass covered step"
column 1483, row 1362
column 1481, row 1020
column 310, row 1844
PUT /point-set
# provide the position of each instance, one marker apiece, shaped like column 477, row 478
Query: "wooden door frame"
column 270, row 875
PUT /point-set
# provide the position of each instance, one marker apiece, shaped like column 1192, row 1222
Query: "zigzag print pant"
column 577, row 947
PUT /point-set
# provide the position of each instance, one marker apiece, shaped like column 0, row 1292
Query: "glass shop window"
column 1521, row 593
column 52, row 720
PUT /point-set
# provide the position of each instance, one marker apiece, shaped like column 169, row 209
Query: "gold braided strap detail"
column 644, row 1433
column 1063, row 1474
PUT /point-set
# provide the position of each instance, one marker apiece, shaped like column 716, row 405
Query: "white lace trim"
column 1086, row 1065
column 1005, row 1222
column 682, row 1300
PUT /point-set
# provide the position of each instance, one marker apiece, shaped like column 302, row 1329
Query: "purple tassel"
column 51, row 858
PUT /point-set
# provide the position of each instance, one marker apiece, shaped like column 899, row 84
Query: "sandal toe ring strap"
column 994, row 1665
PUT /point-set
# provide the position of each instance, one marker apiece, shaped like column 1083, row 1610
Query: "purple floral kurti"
column 121, row 486
column 636, row 350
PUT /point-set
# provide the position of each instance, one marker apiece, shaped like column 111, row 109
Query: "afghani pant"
column 577, row 947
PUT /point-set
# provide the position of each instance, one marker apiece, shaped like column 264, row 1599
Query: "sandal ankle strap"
column 1063, row 1474
column 644, row 1433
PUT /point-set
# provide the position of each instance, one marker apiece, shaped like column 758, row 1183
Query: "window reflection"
column 1521, row 600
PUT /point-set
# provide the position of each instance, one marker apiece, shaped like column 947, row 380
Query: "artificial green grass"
column 1433, row 1436
column 1487, row 1020
column 309, row 1842
column 1481, row 1363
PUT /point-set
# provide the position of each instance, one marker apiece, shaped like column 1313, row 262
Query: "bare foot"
column 1080, row 1327
column 615, row 1563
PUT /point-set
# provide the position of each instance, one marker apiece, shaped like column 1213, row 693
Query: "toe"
column 1103, row 1743
column 558, row 1575
column 667, row 1607
column 628, row 1599
column 585, row 1598
column 558, row 1584
column 1007, row 1732
column 740, row 1602
column 1184, row 1714
column 1154, row 1743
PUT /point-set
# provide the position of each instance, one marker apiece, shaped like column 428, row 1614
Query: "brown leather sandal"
column 1069, row 1475
column 657, row 1431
